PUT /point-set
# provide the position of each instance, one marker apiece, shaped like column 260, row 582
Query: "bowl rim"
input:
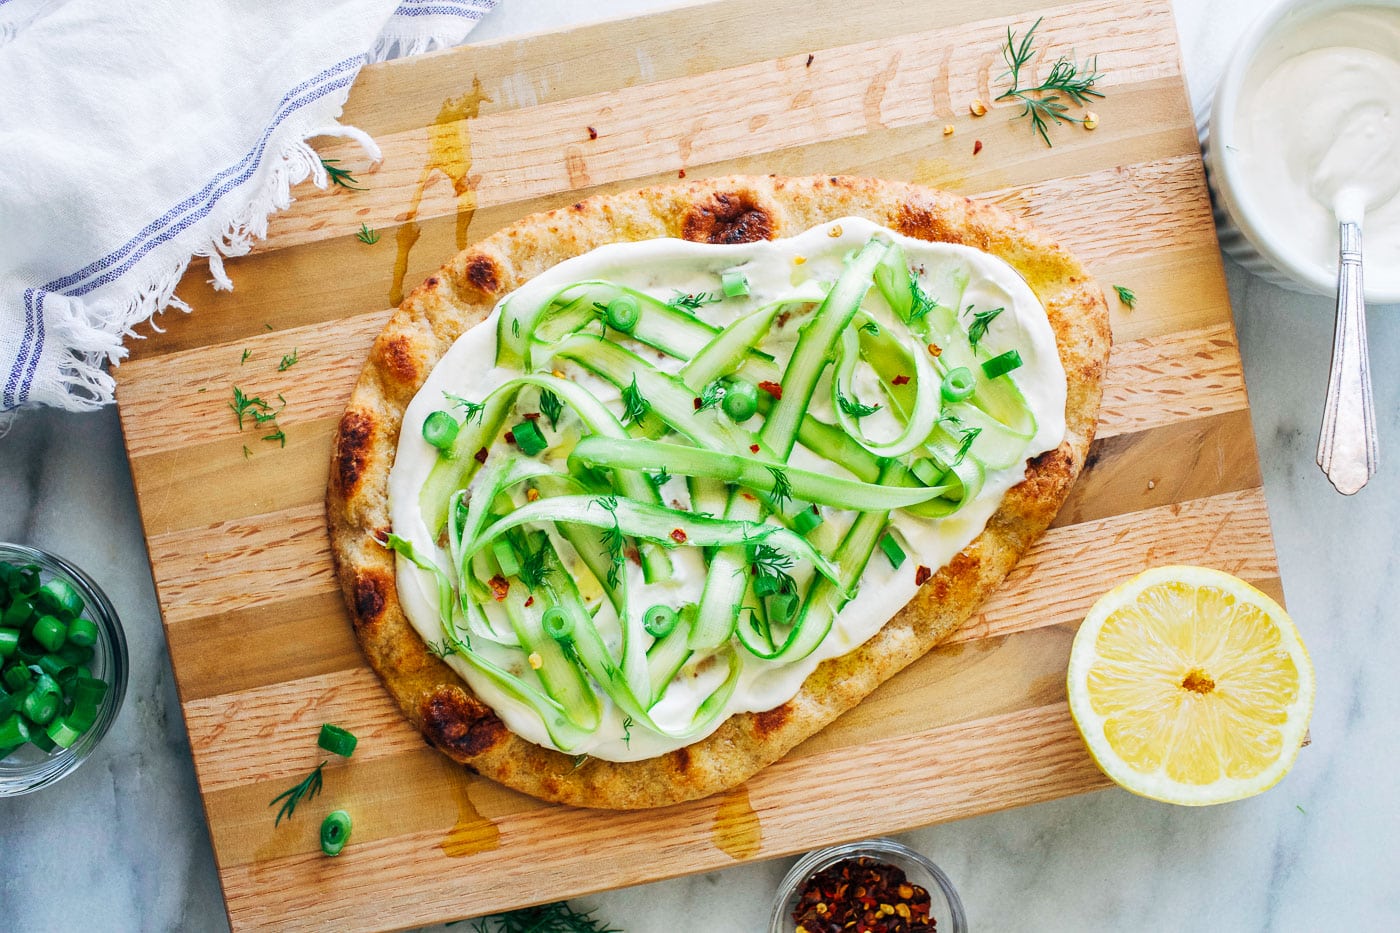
column 1224, row 166
column 880, row 847
column 16, row 781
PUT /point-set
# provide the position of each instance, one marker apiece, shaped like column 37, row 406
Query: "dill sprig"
column 711, row 396
column 473, row 410
column 981, row 320
column 969, row 435
column 612, row 540
column 854, row 408
column 441, row 649
column 340, row 176
column 921, row 303
column 690, row 302
column 659, row 478
column 535, row 567
column 550, row 918
column 288, row 361
column 309, row 787
column 767, row 561
column 627, row 725
column 1126, row 296
column 551, row 407
column 279, row 435
column 635, row 406
column 1046, row 101
column 782, row 487
column 250, row 405
column 367, row 235
column 246, row 353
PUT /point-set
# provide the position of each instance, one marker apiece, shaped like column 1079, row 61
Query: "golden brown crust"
column 723, row 210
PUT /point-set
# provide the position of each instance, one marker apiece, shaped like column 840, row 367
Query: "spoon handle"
column 1347, row 449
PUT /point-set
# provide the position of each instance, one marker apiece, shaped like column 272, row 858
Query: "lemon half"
column 1190, row 686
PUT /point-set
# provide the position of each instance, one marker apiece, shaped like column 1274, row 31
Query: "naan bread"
column 723, row 210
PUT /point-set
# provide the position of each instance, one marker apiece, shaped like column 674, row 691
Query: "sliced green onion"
column 440, row 429
column 740, row 400
column 89, row 690
column 59, row 594
column 623, row 312
column 9, row 641
column 807, row 520
column 335, row 832
column 82, row 717
column 41, row 707
column 958, row 384
column 1003, row 364
column 528, row 437
column 660, row 620
column 81, row 632
column 557, row 623
column 16, row 678
column 892, row 550
column 782, row 607
column 13, row 731
column 49, row 632
column 734, row 283
column 62, row 733
column 337, row 741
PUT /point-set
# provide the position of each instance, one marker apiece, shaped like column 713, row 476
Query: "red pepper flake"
column 935, row 350
column 977, row 147
column 678, row 535
column 810, row 58
column 749, row 496
column 698, row 403
column 510, row 437
column 480, row 455
column 634, row 556
column 922, row 575
column 753, row 448
column 500, row 586
column 772, row 388
column 682, row 174
column 529, row 602
column 900, row 380
column 863, row 895
column 592, row 133
column 532, row 416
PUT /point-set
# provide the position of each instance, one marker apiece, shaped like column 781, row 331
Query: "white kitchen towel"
column 136, row 134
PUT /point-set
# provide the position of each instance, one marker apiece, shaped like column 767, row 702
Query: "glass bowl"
column 29, row 769
column 946, row 907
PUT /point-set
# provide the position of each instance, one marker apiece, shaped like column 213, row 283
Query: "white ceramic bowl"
column 1242, row 234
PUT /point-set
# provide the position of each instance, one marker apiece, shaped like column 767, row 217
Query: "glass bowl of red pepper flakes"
column 876, row 886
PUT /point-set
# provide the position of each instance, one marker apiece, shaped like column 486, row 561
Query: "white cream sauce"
column 1319, row 116
column 661, row 268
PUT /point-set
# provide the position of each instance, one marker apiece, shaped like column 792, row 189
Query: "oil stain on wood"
column 737, row 830
column 472, row 834
column 449, row 152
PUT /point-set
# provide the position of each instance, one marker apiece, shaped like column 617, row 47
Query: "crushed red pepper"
column 480, row 455
column 900, row 380
column 862, row 895
column 772, row 388
column 500, row 587
column 922, row 575
column 678, row 536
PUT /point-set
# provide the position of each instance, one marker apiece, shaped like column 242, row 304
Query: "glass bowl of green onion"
column 63, row 667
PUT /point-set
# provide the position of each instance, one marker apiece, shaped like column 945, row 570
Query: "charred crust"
column 728, row 217
column 681, row 758
column 922, row 224
column 771, row 720
column 396, row 353
column 371, row 595
column 460, row 724
column 963, row 566
column 352, row 442
column 431, row 281
column 484, row 273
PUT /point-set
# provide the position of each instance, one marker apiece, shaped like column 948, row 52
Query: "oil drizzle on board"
column 472, row 833
column 449, row 152
column 737, row 830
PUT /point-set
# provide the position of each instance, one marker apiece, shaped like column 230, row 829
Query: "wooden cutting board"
column 477, row 137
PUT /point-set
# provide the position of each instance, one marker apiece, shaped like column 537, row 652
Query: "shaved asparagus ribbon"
column 520, row 536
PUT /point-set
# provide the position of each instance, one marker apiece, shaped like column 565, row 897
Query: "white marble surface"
column 122, row 844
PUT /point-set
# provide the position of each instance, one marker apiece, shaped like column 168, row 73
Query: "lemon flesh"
column 1190, row 686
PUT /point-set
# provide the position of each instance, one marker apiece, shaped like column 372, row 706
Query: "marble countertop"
column 122, row 844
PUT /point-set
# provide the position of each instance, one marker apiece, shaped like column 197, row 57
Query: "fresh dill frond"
column 711, row 396
column 871, row 328
column 472, row 410
column 288, row 361
column 969, row 435
column 1126, row 296
column 551, row 407
column 768, row 562
column 659, row 478
column 921, row 304
column 612, row 540
column 279, row 436
column 246, row 353
column 340, row 176
column 635, row 406
column 251, row 405
column 309, row 787
column 550, row 918
column 854, row 408
column 981, row 320
column 782, row 487
column 441, row 649
column 1067, row 83
column 627, row 725
column 690, row 302
column 367, row 235
column 536, row 566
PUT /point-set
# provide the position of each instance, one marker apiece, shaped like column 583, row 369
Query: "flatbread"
column 723, row 210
